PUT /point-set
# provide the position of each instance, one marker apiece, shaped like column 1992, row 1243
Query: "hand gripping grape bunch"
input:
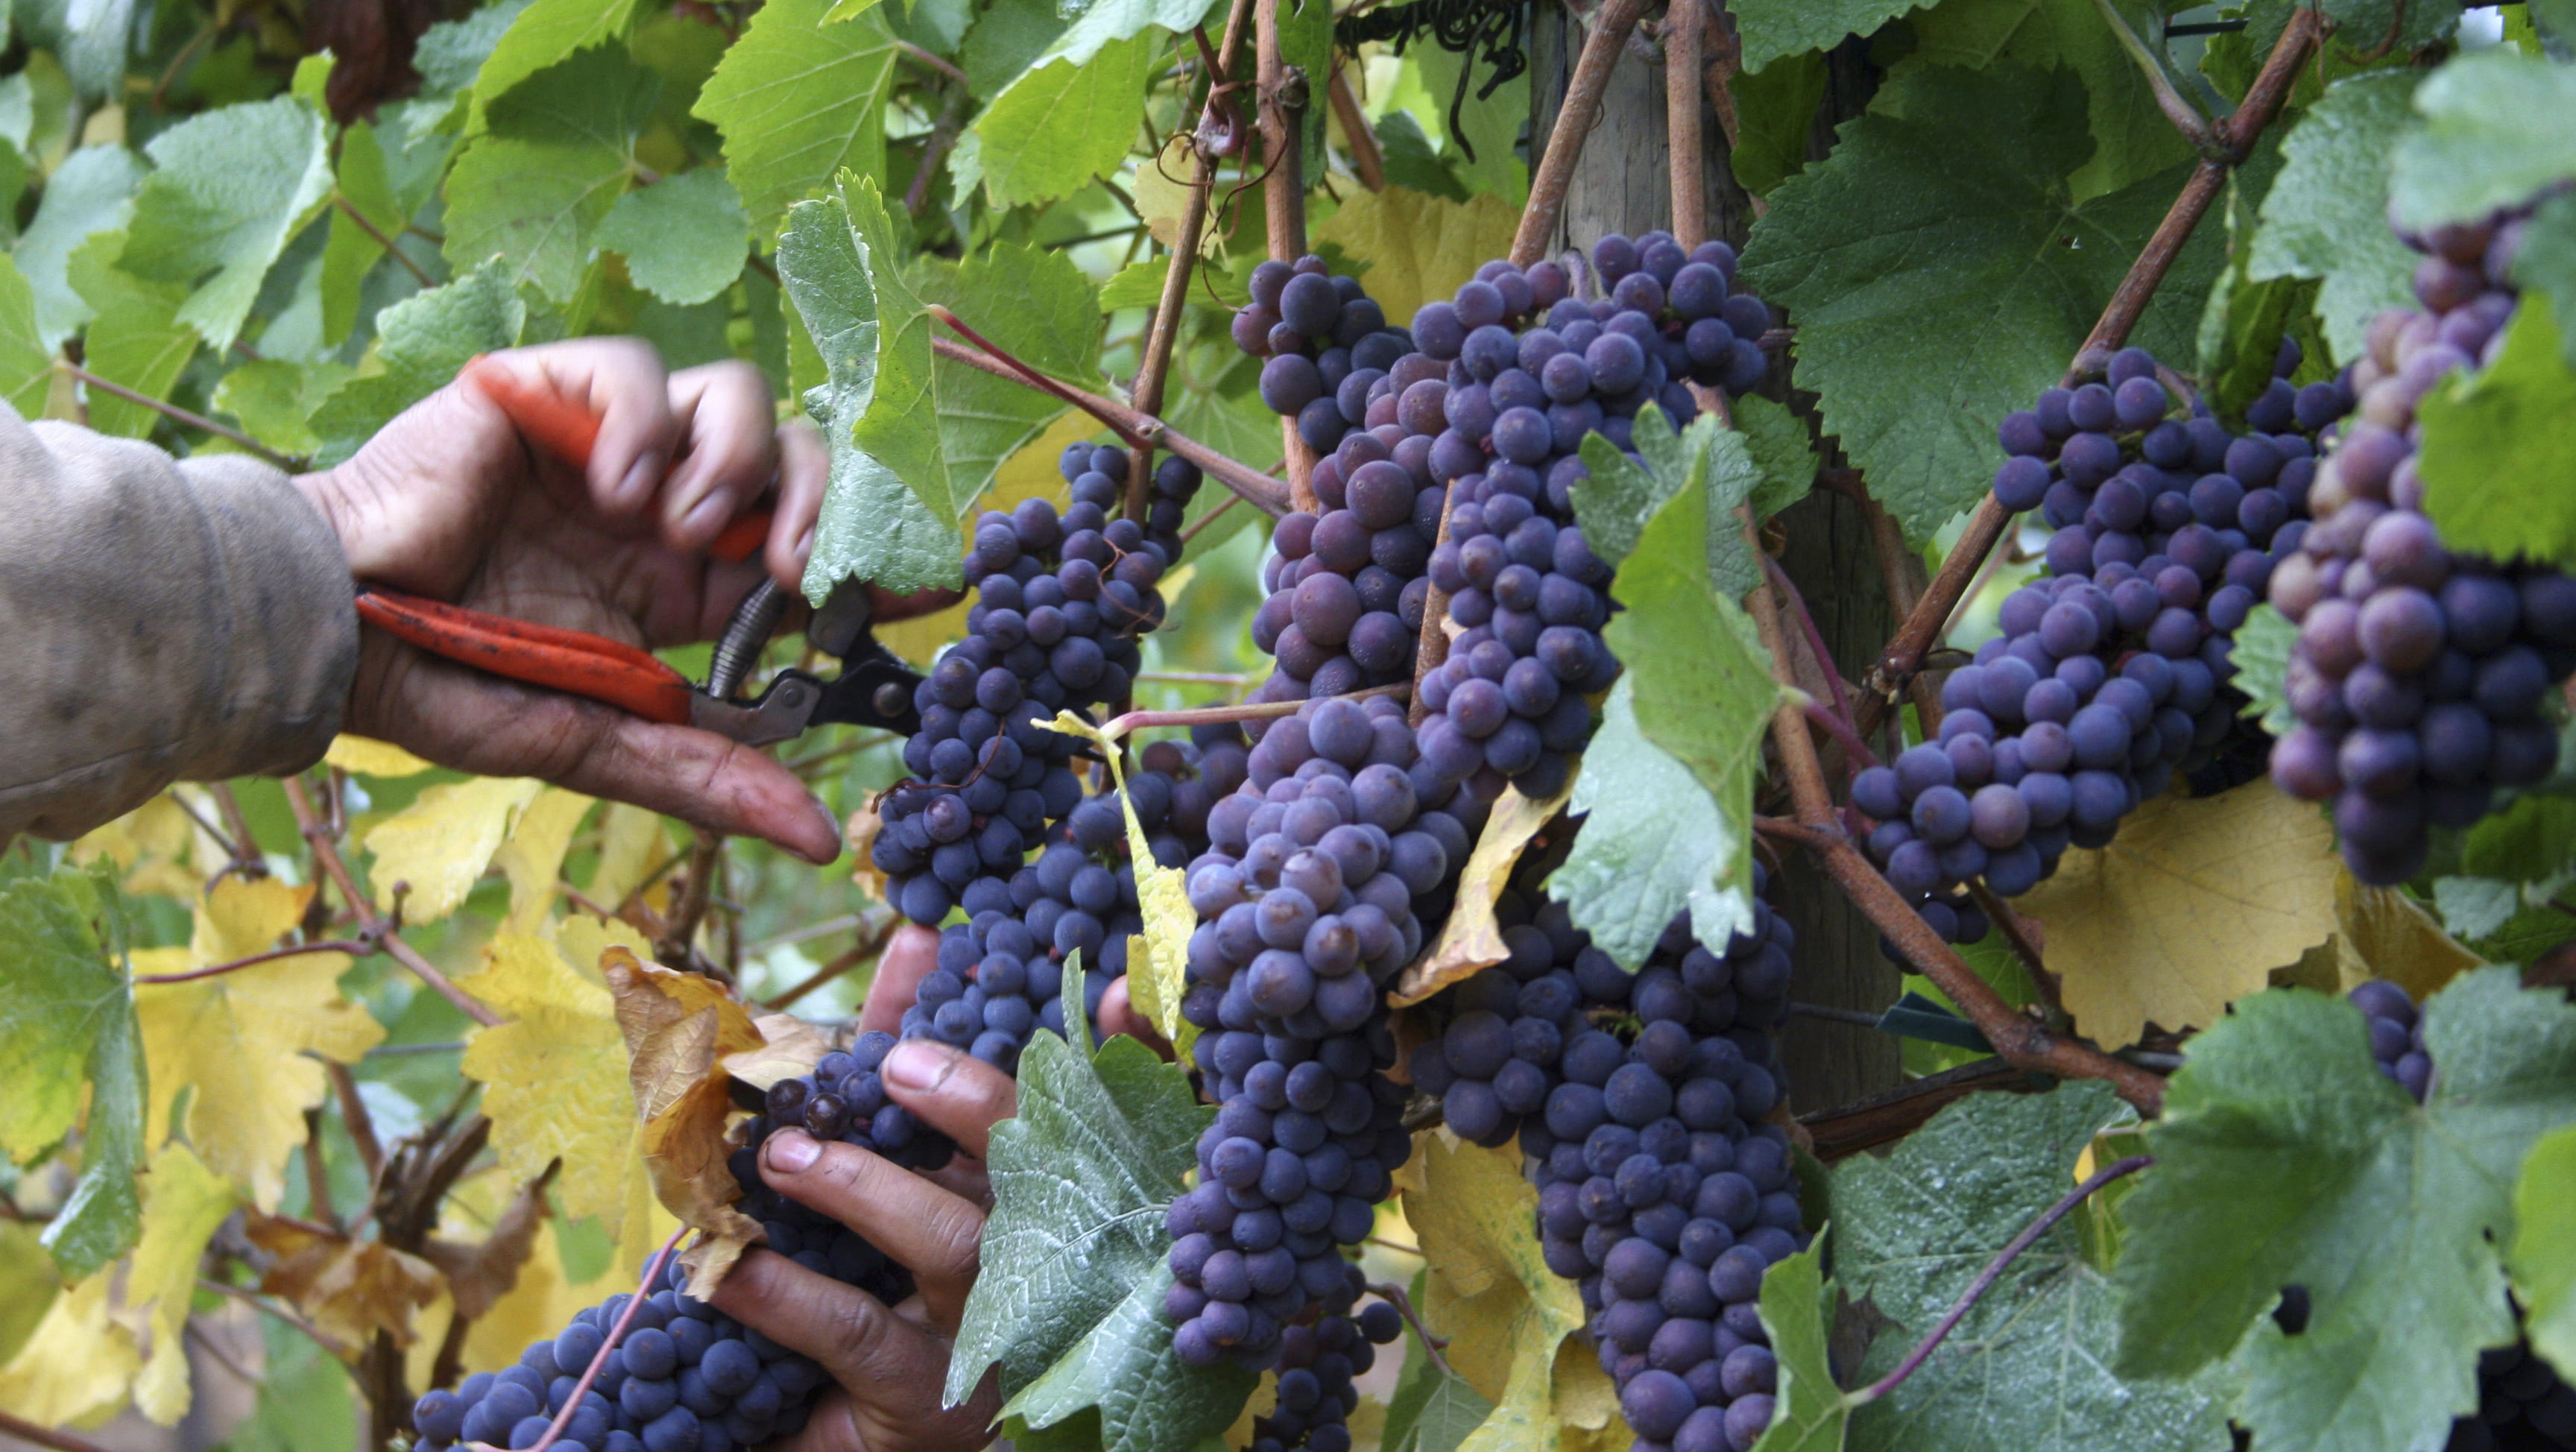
column 2112, row 672
column 2522, row 1401
column 2419, row 673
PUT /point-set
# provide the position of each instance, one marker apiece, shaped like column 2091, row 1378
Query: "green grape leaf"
column 2544, row 1248
column 2262, row 658
column 2499, row 478
column 422, row 341
column 872, row 525
column 274, row 400
column 1615, row 505
column 1940, row 277
column 26, row 364
column 1653, row 843
column 367, row 188
column 2326, row 214
column 228, row 189
column 1062, row 123
column 2499, row 128
column 2027, row 1367
column 1810, row 1413
column 2531, row 840
column 1005, row 39
column 2474, row 908
column 1489, row 125
column 943, row 428
column 67, row 1023
column 1409, row 160
column 556, row 154
column 2132, row 140
column 1702, row 682
column 135, row 338
column 451, row 53
column 1781, row 451
column 2547, row 262
column 2285, row 1157
column 91, row 192
column 1775, row 113
column 1775, row 28
column 541, row 36
column 683, row 237
column 798, row 101
column 1070, row 1308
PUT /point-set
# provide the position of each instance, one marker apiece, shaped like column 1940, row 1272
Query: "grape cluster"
column 2524, row 1405
column 684, row 1378
column 1639, row 1102
column 1318, row 1365
column 1315, row 332
column 1307, row 902
column 2112, row 672
column 2419, row 674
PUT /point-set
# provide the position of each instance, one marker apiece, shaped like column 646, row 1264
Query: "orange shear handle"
column 540, row 655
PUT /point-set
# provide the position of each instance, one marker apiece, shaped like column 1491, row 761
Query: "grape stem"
column 1208, row 715
column 1904, row 655
column 1683, row 26
column 1993, row 1272
column 1394, row 1295
column 1259, row 490
column 176, row 414
column 1611, row 25
column 608, row 1343
column 358, row 947
column 326, row 853
column 1164, row 328
column 2021, row 1041
column 1366, row 162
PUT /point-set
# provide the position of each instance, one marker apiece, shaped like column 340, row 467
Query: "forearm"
column 167, row 621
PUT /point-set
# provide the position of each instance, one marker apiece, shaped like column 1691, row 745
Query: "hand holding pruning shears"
column 550, row 516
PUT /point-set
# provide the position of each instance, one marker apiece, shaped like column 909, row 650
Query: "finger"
column 1119, row 1015
column 804, row 466
column 908, row 958
column 729, row 450
column 620, row 380
column 951, row 1090
column 932, row 1233
column 862, row 1343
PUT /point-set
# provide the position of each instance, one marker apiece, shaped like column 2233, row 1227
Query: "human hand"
column 450, row 501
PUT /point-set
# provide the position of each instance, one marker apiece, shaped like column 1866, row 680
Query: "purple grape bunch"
column 1640, row 1104
column 2112, row 672
column 2420, row 674
column 685, row 1377
column 2524, row 1405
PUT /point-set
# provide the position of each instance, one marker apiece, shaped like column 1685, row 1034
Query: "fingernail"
column 920, row 1065
column 639, row 480
column 831, row 827
column 791, row 1151
column 708, row 515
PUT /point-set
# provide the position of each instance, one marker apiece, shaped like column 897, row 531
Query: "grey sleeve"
column 161, row 620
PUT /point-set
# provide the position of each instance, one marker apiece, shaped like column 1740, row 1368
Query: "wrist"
column 321, row 490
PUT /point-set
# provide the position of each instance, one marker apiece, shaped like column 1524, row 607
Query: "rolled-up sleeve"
column 164, row 620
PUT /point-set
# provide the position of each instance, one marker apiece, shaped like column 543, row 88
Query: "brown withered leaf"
column 479, row 1273
column 351, row 1289
column 861, row 833
column 1473, row 940
column 679, row 1028
column 789, row 1046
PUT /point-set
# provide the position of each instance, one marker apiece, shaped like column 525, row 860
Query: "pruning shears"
column 873, row 687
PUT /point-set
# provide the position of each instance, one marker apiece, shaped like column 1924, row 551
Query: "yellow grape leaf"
column 1163, row 192
column 789, row 1047
column 1472, row 939
column 585, row 940
column 240, row 1043
column 366, row 756
column 183, row 1204
column 150, row 847
column 679, row 1027
column 633, row 844
column 1420, row 247
column 2383, row 933
column 443, row 841
column 2190, row 908
column 1490, row 1292
column 27, row 1285
column 75, row 1370
column 1031, row 473
column 1157, row 978
column 554, row 1074
column 350, row 1288
column 533, row 856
